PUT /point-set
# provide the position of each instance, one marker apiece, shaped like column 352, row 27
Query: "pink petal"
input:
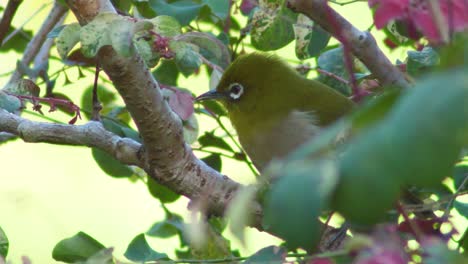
column 388, row 10
column 181, row 103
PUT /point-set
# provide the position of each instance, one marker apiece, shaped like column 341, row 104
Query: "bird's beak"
column 211, row 95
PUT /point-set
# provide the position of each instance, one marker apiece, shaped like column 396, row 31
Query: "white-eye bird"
column 273, row 108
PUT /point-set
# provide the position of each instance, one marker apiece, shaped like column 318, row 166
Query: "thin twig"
column 331, row 74
column 439, row 21
column 17, row 30
column 455, row 195
column 55, row 15
column 97, row 107
column 414, row 227
column 7, row 17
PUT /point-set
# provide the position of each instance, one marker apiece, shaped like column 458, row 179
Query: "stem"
column 8, row 14
column 414, row 227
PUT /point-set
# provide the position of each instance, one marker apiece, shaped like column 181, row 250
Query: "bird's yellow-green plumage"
column 273, row 108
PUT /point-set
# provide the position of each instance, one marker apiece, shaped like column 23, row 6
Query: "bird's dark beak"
column 211, row 95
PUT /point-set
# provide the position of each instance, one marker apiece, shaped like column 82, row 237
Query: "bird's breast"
column 274, row 139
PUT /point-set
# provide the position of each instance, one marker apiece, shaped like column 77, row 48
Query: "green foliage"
column 421, row 61
column 4, row 244
column 270, row 254
column 161, row 192
column 332, row 61
column 18, row 42
column 110, row 165
column 9, row 102
column 310, row 38
column 297, row 199
column 76, row 248
column 272, row 26
column 139, row 250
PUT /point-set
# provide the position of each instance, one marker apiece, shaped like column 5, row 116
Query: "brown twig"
column 439, row 21
column 414, row 227
column 97, row 107
column 361, row 44
column 331, row 74
column 8, row 15
column 55, row 15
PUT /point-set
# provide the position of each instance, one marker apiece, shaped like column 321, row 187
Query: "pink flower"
column 417, row 14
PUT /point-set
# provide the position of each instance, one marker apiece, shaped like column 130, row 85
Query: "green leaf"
column 166, row 26
column 172, row 226
column 166, row 73
column 18, row 42
column 103, row 256
column 210, row 140
column 272, row 25
column 460, row 172
column 297, row 198
column 96, row 34
column 271, row 255
column 428, row 126
column 407, row 148
column 140, row 251
column 435, row 251
column 56, row 31
column 332, row 61
column 218, row 8
column 361, row 168
column 310, row 38
column 68, row 37
column 187, row 58
column 9, row 102
column 183, row 10
column 214, row 161
column 110, row 165
column 191, row 129
column 76, row 248
column 145, row 50
column 143, row 7
column 421, row 61
column 121, row 32
column 463, row 242
column 4, row 244
column 105, row 95
column 209, row 47
column 161, row 192
column 462, row 208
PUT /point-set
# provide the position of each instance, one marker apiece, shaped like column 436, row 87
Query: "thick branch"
column 8, row 14
column 169, row 159
column 361, row 43
column 92, row 134
column 55, row 15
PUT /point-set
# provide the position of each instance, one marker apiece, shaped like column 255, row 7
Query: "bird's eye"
column 236, row 90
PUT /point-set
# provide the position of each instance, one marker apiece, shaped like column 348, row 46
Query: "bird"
column 273, row 108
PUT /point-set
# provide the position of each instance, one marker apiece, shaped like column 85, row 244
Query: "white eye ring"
column 236, row 90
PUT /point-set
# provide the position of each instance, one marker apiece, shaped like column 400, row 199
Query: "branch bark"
column 167, row 158
column 7, row 17
column 92, row 134
column 54, row 17
column 361, row 43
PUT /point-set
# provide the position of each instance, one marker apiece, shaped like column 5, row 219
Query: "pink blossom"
column 417, row 14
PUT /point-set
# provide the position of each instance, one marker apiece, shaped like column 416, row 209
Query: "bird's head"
column 252, row 81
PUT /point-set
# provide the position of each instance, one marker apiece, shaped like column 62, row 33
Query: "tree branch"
column 168, row 159
column 92, row 134
column 361, row 43
column 7, row 17
column 55, row 15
